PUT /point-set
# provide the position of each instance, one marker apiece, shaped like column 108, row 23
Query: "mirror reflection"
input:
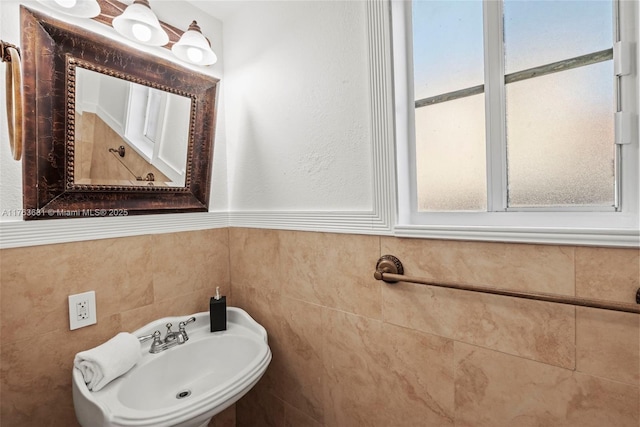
column 128, row 134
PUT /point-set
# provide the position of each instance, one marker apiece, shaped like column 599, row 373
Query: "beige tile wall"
column 351, row 351
column 348, row 350
column 136, row 279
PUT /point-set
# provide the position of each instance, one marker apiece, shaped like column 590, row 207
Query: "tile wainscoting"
column 352, row 351
column 136, row 279
column 347, row 350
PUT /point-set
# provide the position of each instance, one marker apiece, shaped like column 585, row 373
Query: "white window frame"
column 568, row 226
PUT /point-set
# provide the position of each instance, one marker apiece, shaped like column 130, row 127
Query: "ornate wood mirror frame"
column 51, row 50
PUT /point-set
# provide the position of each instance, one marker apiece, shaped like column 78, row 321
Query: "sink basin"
column 185, row 385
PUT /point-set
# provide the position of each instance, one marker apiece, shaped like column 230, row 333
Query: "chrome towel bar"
column 390, row 270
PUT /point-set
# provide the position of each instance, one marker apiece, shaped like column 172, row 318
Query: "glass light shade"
column 194, row 48
column 66, row 3
column 140, row 24
column 77, row 8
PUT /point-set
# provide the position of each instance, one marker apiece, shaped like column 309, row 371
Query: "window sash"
column 495, row 108
column 523, row 224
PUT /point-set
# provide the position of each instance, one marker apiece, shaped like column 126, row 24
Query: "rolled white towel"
column 106, row 362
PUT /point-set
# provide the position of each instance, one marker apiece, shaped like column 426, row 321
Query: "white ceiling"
column 220, row 9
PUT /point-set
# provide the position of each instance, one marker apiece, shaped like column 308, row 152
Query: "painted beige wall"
column 348, row 350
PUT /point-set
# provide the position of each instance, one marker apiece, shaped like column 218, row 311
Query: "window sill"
column 624, row 238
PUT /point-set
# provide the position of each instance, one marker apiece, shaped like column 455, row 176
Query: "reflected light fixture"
column 140, row 24
column 193, row 47
column 77, row 8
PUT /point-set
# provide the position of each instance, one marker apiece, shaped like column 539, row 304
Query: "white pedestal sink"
column 185, row 385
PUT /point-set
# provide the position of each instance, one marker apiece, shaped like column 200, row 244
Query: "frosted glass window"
column 558, row 123
column 542, row 31
column 447, row 46
column 450, row 155
column 560, row 135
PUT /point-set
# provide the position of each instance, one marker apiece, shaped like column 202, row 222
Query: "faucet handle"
column 155, row 336
column 182, row 333
column 183, row 324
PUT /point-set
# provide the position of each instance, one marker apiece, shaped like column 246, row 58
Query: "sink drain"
column 183, row 394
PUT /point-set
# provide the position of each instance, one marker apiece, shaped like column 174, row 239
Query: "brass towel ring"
column 11, row 53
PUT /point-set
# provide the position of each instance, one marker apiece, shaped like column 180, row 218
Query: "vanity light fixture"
column 77, row 8
column 137, row 22
column 140, row 24
column 194, row 47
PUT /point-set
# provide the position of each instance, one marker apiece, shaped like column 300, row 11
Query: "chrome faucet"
column 171, row 338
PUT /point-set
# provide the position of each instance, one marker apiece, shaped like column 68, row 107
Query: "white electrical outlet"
column 82, row 310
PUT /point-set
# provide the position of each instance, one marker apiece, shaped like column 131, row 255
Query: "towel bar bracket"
column 388, row 264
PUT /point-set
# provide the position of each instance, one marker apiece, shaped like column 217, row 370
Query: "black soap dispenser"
column 218, row 312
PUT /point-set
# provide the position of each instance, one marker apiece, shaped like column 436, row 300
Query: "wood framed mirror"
column 110, row 130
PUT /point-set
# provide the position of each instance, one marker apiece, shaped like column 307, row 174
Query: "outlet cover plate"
column 82, row 310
